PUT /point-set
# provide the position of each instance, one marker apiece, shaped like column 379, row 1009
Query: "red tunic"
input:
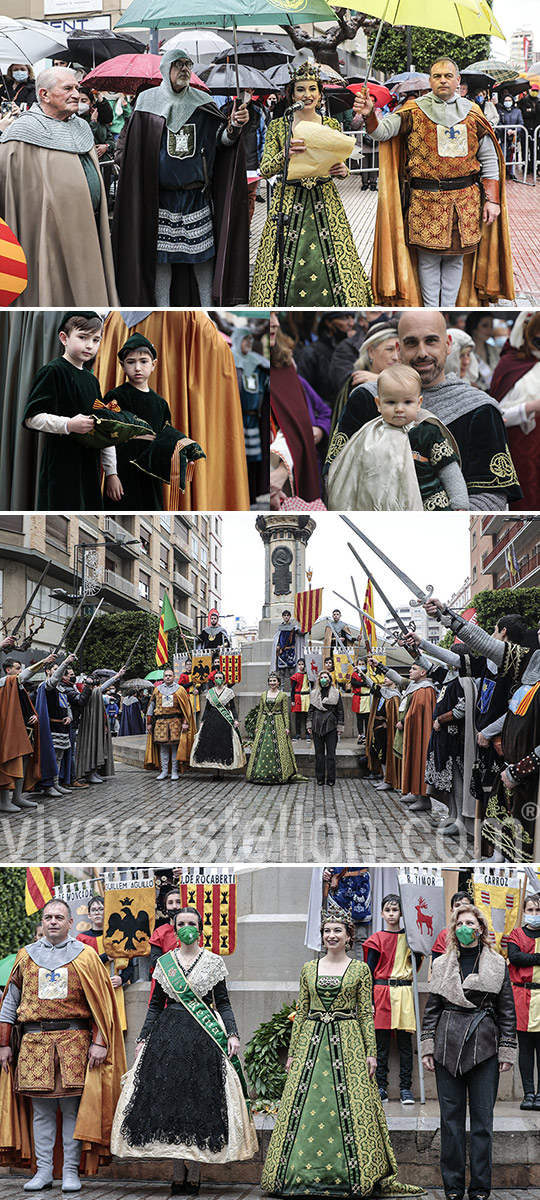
column 527, row 1000
column 299, row 692
column 359, row 692
column 394, row 1006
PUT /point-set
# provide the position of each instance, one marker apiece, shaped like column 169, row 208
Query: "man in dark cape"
column 138, row 204
column 94, row 742
column 214, row 636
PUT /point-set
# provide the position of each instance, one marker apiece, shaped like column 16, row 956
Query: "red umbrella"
column 126, row 72
column 379, row 93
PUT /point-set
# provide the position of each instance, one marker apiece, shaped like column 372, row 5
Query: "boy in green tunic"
column 60, row 403
column 165, row 457
column 139, row 491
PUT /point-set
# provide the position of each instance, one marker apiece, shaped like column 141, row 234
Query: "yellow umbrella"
column 462, row 17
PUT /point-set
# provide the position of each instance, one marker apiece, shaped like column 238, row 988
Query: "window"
column 193, row 613
column 165, row 521
column 215, row 554
column 216, row 525
column 144, row 585
column 216, row 581
column 204, row 556
column 144, row 538
column 11, row 524
column 195, row 546
column 203, row 591
column 474, row 574
column 46, row 605
column 204, row 526
column 163, row 556
column 473, row 541
column 195, row 580
column 162, row 590
column 56, row 530
column 1, row 587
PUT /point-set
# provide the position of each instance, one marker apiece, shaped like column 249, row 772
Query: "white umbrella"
column 28, row 41
column 197, row 42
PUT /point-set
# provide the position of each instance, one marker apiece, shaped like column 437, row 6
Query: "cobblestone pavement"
column 132, row 818
column 100, row 1189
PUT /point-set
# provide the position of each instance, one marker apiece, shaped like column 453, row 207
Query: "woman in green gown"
column 322, row 267
column 331, row 1136
column 272, row 758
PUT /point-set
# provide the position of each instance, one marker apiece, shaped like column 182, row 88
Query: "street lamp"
column 88, row 588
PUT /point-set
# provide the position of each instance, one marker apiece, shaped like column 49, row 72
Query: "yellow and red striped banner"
column 13, row 269
column 162, row 648
column 216, row 903
column 39, row 888
column 307, row 608
column 368, row 608
column 231, row 665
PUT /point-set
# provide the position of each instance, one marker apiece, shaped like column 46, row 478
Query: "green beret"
column 137, row 341
column 77, row 312
column 112, row 429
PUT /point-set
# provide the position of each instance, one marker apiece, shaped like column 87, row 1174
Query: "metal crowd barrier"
column 515, row 143
column 536, row 154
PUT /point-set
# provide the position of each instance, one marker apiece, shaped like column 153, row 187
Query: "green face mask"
column 187, row 934
column 465, row 935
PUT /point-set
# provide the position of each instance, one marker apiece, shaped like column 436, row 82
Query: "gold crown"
column 307, row 70
column 336, row 913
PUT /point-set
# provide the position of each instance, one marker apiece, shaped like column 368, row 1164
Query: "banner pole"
column 417, row 1018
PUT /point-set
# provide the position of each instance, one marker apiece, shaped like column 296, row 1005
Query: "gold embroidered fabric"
column 433, row 215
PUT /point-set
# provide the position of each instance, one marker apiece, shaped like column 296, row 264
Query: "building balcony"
column 183, row 584
column 117, row 586
column 113, row 530
column 517, row 533
column 528, row 574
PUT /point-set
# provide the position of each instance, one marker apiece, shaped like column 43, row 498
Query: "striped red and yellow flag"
column 39, row 888
column 368, row 608
column 216, row 903
column 307, row 607
column 167, row 621
column 13, row 269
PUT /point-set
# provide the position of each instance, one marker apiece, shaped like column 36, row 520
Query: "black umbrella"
column 259, row 52
column 93, row 46
column 222, row 79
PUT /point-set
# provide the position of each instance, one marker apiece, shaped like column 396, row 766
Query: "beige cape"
column 45, row 199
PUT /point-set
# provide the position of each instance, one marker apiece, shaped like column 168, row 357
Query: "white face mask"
column 83, row 108
column 508, row 104
column 20, row 76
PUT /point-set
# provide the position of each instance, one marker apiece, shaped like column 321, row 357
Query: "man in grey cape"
column 52, row 197
column 473, row 418
column 94, row 741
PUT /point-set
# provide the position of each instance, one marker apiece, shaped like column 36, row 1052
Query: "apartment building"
column 128, row 560
column 505, row 552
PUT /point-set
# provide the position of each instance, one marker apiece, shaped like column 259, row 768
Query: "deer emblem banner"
column 422, row 905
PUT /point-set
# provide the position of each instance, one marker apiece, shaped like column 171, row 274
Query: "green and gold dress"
column 331, row 1136
column 322, row 267
column 272, row 757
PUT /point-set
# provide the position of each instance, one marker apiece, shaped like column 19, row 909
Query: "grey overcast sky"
column 525, row 14
column 429, row 548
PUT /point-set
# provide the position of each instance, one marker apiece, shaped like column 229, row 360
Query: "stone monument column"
column 285, row 538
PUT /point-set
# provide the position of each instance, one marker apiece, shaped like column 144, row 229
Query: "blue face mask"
column 532, row 920
column 479, row 99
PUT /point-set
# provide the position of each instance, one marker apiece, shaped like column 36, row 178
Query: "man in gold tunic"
column 444, row 152
column 60, row 1002
column 171, row 728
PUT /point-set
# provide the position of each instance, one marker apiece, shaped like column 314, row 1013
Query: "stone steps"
column 130, row 750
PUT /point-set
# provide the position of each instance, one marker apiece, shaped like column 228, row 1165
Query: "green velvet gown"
column 322, row 267
column 272, row 757
column 331, row 1136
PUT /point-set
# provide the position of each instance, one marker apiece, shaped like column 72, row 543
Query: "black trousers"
column 480, row 1084
column 325, row 756
column 405, row 1047
column 361, row 722
column 529, row 1049
column 300, row 719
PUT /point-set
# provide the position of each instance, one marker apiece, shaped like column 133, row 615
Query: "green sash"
column 200, row 1012
column 221, row 708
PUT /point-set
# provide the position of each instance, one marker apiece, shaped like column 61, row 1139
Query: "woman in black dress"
column 218, row 743
column 185, row 1097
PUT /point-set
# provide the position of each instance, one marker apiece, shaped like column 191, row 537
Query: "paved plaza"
column 96, row 1189
column 361, row 208
column 132, row 818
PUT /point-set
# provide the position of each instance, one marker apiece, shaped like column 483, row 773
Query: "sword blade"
column 22, row 617
column 384, row 598
column 420, row 593
column 70, row 626
column 92, row 618
column 363, row 613
column 367, row 638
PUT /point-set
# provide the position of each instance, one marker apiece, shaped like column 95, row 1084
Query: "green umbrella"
column 6, row 967
column 154, row 675
column 174, row 14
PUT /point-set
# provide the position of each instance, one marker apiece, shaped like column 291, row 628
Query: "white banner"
column 423, row 908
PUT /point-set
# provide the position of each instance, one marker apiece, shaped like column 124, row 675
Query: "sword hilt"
column 417, row 601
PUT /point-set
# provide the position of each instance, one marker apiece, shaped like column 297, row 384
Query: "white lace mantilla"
column 208, row 970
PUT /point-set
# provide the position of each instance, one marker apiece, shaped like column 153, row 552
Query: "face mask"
column 479, row 99
column 500, row 341
column 83, row 108
column 325, row 682
column 508, row 104
column 187, row 934
column 20, row 76
column 532, row 920
column 465, row 935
